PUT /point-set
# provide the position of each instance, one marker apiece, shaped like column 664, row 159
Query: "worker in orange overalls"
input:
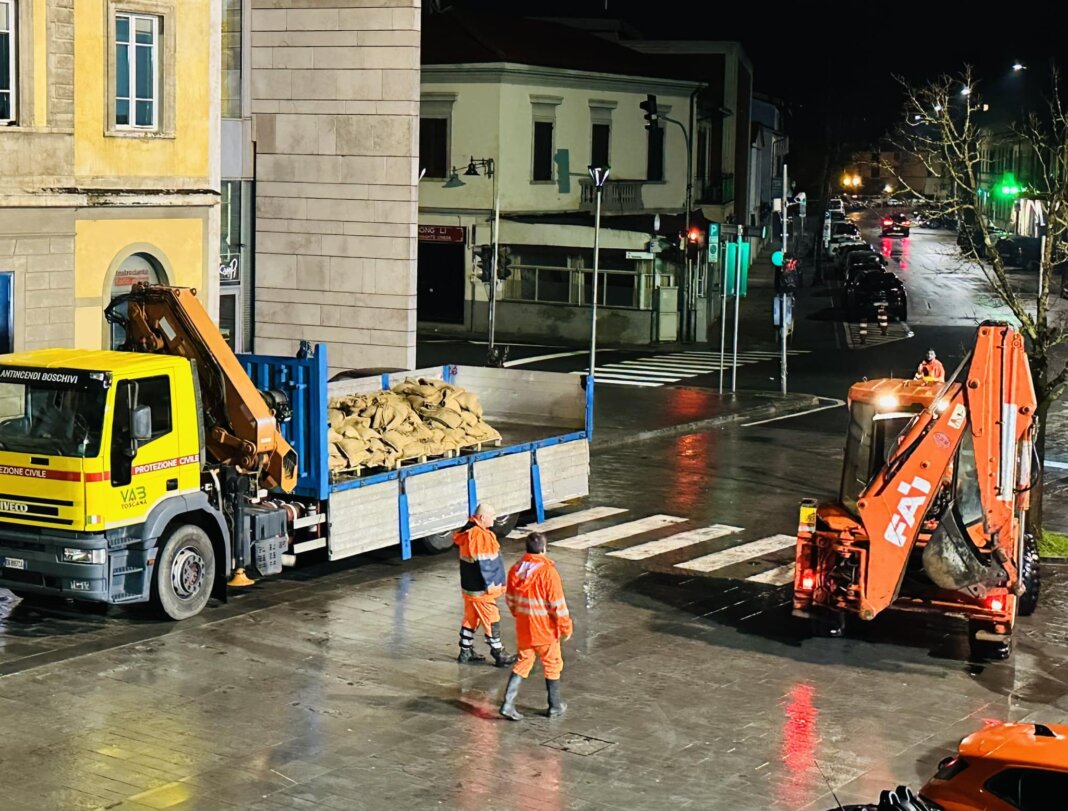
column 482, row 582
column 536, row 599
column 931, row 370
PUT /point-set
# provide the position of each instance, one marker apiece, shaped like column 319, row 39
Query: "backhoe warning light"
column 887, row 402
column 808, row 580
column 996, row 603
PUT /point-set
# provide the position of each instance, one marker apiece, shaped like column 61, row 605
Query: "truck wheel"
column 504, row 525
column 437, row 543
column 1030, row 576
column 184, row 574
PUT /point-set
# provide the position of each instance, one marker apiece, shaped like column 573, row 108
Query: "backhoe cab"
column 932, row 506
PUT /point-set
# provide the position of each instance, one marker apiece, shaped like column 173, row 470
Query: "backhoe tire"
column 1030, row 577
column 185, row 572
column 437, row 543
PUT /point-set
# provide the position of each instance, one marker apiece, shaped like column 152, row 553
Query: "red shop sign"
column 443, row 233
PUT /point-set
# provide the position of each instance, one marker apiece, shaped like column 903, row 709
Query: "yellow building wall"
column 185, row 155
column 178, row 243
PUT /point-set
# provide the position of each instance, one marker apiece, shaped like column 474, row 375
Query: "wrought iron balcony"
column 618, row 197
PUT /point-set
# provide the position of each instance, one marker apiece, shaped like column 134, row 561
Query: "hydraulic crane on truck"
column 932, row 508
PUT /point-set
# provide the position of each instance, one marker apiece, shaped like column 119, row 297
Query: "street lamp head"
column 472, row 170
column 1017, row 67
column 454, row 181
column 966, row 90
column 938, row 108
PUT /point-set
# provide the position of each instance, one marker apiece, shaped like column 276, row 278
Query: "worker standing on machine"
column 931, row 369
column 482, row 582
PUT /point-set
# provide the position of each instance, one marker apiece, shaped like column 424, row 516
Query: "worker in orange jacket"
column 536, row 598
column 931, row 369
column 482, row 582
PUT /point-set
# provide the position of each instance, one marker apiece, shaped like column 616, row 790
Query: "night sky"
column 837, row 61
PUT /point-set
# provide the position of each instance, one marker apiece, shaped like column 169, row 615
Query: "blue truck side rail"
column 304, row 380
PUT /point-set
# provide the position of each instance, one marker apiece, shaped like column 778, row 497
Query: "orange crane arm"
column 242, row 429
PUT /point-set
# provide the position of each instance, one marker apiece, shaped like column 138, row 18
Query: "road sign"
column 730, row 259
column 776, row 259
column 713, row 243
column 827, row 231
column 640, row 255
column 443, row 233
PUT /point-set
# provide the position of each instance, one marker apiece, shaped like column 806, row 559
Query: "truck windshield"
column 51, row 418
column 871, row 440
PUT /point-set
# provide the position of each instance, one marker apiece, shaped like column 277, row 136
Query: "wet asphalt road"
column 690, row 686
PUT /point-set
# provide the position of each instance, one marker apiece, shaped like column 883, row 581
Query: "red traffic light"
column 694, row 236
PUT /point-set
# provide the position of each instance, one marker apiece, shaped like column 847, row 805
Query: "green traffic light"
column 1009, row 187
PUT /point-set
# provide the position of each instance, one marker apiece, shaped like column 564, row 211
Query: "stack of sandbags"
column 451, row 411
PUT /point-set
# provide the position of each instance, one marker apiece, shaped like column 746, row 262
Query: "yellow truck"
column 163, row 472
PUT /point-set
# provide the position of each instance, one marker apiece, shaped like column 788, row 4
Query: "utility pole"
column 737, row 304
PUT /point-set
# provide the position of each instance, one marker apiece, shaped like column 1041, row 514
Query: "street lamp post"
column 454, row 182
column 599, row 175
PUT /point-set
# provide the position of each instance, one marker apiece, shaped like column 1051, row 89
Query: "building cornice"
column 516, row 74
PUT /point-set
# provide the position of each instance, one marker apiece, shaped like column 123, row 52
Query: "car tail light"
column 808, row 580
column 907, row 223
column 888, row 221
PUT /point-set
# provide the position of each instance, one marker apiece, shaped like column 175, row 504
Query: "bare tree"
column 950, row 129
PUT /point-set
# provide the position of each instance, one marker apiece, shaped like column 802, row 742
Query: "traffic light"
column 504, row 263
column 693, row 243
column 1008, row 187
column 482, row 263
column 652, row 120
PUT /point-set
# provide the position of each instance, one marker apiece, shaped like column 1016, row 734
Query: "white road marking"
column 673, row 542
column 609, row 534
column 836, row 404
column 776, row 577
column 536, row 358
column 567, row 520
column 736, row 554
column 627, row 382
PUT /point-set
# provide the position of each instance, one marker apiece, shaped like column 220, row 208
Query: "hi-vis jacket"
column 481, row 564
column 536, row 598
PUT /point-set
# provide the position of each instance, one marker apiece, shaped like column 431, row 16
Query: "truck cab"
column 97, row 450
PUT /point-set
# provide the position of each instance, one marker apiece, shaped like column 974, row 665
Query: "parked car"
column 971, row 235
column 1004, row 767
column 894, row 201
column 847, row 249
column 844, row 231
column 862, row 261
column 896, row 225
column 869, row 290
column 836, row 204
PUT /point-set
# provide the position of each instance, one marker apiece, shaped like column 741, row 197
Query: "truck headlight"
column 98, row 556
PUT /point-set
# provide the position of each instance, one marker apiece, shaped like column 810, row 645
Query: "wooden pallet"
column 476, row 447
column 365, row 470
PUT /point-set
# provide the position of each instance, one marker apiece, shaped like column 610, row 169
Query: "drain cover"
column 579, row 744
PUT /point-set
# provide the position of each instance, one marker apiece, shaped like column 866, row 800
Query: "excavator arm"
column 991, row 412
column 242, row 430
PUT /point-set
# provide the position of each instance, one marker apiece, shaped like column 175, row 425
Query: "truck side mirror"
column 141, row 423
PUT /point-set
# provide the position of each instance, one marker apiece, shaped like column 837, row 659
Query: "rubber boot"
column 501, row 657
column 556, row 706
column 511, row 692
column 468, row 656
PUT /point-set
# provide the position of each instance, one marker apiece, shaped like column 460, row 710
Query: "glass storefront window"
column 235, row 276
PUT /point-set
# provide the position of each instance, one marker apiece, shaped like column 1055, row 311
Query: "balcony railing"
column 718, row 190
column 618, row 197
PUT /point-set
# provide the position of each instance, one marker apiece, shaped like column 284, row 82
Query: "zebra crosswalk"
column 864, row 334
column 659, row 370
column 767, row 552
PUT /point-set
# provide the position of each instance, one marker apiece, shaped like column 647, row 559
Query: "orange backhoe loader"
column 931, row 511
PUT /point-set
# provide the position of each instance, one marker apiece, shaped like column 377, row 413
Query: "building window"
column 600, row 141
column 231, row 59
column 8, row 78
column 655, row 156
column 434, row 147
column 702, row 154
column 875, row 170
column 543, row 151
column 235, row 259
column 136, row 71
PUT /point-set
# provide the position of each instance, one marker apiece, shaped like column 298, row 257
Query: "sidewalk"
column 625, row 415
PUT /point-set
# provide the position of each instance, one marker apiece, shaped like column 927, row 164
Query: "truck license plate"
column 14, row 563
